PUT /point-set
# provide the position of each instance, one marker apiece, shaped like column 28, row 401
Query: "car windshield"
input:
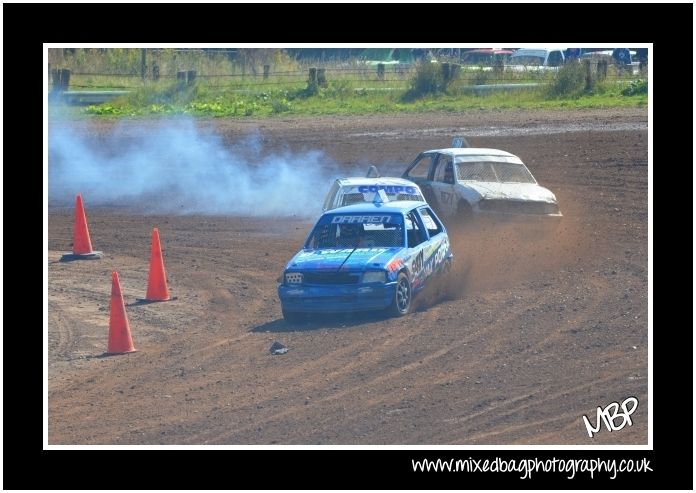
column 358, row 230
column 494, row 172
column 527, row 60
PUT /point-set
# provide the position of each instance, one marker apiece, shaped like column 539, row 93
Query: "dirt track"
column 537, row 332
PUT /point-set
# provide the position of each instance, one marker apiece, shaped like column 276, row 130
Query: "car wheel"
column 294, row 317
column 401, row 304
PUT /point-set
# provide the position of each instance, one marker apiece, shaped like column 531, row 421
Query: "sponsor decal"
column 361, row 219
column 436, row 259
column 387, row 188
column 395, row 265
column 417, row 264
column 327, row 251
column 426, row 261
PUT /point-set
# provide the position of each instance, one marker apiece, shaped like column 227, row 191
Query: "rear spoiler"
column 372, row 172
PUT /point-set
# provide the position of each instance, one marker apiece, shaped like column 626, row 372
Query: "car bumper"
column 517, row 216
column 547, row 219
column 336, row 298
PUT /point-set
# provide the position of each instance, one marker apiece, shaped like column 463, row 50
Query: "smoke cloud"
column 178, row 168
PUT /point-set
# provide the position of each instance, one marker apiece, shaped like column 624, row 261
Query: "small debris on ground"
column 278, row 348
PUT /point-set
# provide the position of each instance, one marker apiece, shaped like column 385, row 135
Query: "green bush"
column 481, row 77
column 427, row 81
column 636, row 87
column 339, row 88
column 569, row 80
column 280, row 105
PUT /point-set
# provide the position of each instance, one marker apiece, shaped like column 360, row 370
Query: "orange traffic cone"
column 82, row 245
column 157, row 279
column 120, row 340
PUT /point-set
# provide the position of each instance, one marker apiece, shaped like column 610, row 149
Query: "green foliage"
column 341, row 98
column 312, row 89
column 569, row 81
column 636, row 87
column 106, row 109
column 280, row 105
column 427, row 81
column 481, row 77
column 339, row 89
column 232, row 86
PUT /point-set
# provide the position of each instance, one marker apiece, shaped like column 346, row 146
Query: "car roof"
column 535, row 51
column 385, row 180
column 494, row 51
column 472, row 151
column 397, row 206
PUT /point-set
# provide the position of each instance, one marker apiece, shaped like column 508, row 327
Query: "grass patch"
column 347, row 98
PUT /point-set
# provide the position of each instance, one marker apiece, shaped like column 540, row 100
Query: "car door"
column 443, row 186
column 420, row 171
column 417, row 240
column 436, row 250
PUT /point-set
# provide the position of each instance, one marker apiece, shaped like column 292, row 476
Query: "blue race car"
column 368, row 256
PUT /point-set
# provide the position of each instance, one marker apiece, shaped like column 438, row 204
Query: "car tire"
column 401, row 304
column 294, row 317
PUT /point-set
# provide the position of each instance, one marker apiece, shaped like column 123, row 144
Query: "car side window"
column 414, row 231
column 445, row 170
column 421, row 167
column 555, row 59
column 431, row 222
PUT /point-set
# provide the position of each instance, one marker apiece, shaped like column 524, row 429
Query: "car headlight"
column 293, row 278
column 375, row 276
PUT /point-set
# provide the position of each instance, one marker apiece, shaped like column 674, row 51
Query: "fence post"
column 454, row 70
column 55, row 77
column 266, row 70
column 380, row 71
column 312, row 75
column 155, row 71
column 64, row 79
column 602, row 69
column 321, row 77
column 191, row 77
column 143, row 64
column 446, row 72
column 588, row 75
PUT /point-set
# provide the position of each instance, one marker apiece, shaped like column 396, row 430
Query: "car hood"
column 511, row 191
column 328, row 259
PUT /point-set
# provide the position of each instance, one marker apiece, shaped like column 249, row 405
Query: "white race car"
column 466, row 182
column 356, row 190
